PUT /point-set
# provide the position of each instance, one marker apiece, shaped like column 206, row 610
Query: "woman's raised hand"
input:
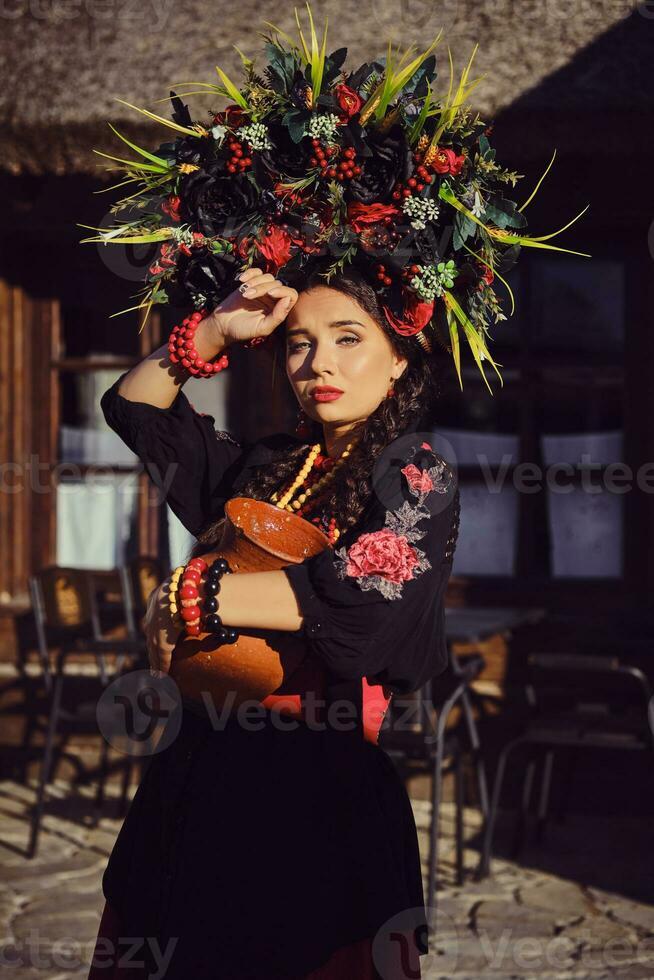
column 243, row 317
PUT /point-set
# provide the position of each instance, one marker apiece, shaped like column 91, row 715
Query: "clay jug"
column 271, row 666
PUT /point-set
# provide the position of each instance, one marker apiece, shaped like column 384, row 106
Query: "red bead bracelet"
column 189, row 595
column 181, row 349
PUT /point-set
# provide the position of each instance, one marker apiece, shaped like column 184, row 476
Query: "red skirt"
column 354, row 960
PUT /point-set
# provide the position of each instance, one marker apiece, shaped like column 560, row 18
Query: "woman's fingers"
column 159, row 632
column 266, row 289
column 257, row 285
column 279, row 312
column 250, row 273
column 271, row 287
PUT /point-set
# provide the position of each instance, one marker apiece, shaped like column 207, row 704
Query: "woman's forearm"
column 156, row 380
column 260, row 600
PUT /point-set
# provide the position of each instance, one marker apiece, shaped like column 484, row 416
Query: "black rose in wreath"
column 216, row 203
column 390, row 162
column 286, row 158
column 204, row 278
column 190, row 149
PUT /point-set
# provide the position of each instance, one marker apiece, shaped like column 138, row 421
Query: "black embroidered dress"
column 274, row 848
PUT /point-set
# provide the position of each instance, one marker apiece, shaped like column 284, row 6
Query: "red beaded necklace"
column 322, row 464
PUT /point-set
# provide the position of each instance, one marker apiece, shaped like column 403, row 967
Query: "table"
column 472, row 624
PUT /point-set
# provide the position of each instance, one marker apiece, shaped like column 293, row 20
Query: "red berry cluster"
column 413, row 183
column 382, row 275
column 238, row 160
column 345, row 170
column 409, row 271
column 181, row 349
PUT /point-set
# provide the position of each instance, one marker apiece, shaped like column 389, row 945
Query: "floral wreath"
column 386, row 559
column 311, row 167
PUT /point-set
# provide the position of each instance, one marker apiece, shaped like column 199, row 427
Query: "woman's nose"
column 322, row 359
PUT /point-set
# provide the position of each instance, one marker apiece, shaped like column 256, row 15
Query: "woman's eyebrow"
column 334, row 323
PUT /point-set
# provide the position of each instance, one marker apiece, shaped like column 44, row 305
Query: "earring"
column 390, row 392
column 303, row 425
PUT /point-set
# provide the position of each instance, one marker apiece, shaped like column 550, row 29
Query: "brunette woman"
column 292, row 852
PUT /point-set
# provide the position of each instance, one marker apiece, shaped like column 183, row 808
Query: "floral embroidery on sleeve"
column 227, row 437
column 388, row 558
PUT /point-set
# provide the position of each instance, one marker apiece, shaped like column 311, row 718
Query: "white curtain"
column 95, row 520
column 586, row 526
column 487, row 542
column 96, row 514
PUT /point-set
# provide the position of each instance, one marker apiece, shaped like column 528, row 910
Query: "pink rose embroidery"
column 419, row 480
column 386, row 559
column 382, row 553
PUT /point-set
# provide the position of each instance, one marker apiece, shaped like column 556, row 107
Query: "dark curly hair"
column 416, row 392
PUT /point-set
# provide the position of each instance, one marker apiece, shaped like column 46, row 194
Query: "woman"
column 274, row 853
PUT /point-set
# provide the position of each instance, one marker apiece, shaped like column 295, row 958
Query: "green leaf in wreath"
column 504, row 213
column 296, row 123
column 463, row 229
column 485, row 149
column 333, row 64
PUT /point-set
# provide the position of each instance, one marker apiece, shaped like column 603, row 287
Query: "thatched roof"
column 62, row 73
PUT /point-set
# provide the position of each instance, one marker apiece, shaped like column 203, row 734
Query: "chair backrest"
column 421, row 716
column 63, row 605
column 144, row 573
column 67, row 600
column 583, row 683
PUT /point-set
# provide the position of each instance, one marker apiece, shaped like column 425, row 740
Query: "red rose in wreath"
column 275, row 246
column 417, row 315
column 448, row 162
column 233, row 116
column 382, row 553
column 349, row 101
column 360, row 216
column 171, row 207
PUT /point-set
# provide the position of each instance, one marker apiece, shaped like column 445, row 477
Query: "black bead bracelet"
column 212, row 621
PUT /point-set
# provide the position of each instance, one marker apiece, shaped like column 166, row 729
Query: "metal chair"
column 439, row 750
column 575, row 702
column 67, row 622
column 466, row 668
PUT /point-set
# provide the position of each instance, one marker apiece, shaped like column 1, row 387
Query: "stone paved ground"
column 575, row 907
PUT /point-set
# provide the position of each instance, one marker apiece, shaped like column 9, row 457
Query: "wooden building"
column 578, row 357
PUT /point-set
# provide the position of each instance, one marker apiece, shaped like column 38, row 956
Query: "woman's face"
column 331, row 342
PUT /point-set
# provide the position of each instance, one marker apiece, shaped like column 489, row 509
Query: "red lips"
column 325, row 390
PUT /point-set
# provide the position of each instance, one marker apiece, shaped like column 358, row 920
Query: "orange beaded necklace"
column 311, row 483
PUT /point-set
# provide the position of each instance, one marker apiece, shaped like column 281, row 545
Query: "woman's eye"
column 350, row 340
